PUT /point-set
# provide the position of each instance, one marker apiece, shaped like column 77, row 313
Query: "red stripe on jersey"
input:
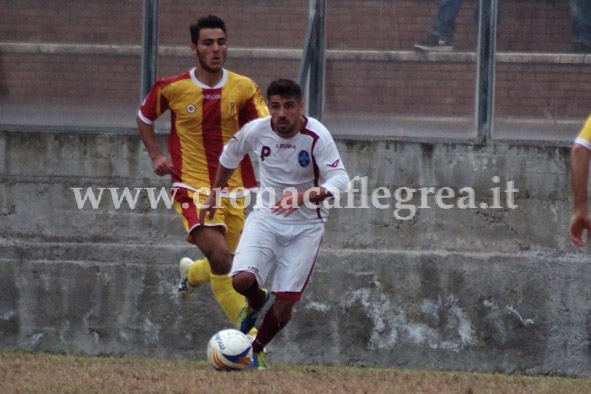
column 212, row 129
column 189, row 211
column 315, row 139
column 247, row 113
column 174, row 147
column 154, row 104
column 249, row 178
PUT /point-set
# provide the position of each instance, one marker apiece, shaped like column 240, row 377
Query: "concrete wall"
column 496, row 289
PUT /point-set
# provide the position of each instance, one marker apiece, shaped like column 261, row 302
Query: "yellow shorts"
column 230, row 216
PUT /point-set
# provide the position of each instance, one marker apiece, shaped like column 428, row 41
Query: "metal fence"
column 77, row 66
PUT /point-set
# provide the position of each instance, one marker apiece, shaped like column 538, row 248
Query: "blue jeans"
column 444, row 24
column 580, row 13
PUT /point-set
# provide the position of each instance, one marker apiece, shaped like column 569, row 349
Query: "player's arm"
column 289, row 202
column 317, row 194
column 161, row 164
column 580, row 158
column 335, row 183
column 333, row 174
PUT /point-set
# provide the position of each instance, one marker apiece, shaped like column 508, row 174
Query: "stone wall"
column 490, row 289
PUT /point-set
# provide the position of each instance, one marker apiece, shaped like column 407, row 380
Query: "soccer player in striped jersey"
column 580, row 158
column 208, row 105
column 299, row 167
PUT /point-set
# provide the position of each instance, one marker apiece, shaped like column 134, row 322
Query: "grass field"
column 48, row 374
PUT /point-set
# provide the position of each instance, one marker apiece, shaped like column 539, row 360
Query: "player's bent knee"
column 220, row 262
column 243, row 281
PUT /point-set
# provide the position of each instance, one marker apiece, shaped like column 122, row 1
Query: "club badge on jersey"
column 304, row 158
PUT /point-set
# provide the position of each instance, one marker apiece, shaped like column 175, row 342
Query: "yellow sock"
column 230, row 301
column 199, row 272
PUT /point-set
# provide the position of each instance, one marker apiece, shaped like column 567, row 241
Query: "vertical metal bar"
column 308, row 47
column 485, row 74
column 317, row 74
column 312, row 83
column 149, row 46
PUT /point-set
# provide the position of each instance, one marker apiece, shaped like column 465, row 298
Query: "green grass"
column 47, row 373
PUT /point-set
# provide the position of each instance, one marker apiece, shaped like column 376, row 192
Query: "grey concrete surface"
column 117, row 118
column 496, row 288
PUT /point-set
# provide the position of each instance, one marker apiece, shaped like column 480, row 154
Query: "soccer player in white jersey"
column 299, row 168
column 580, row 158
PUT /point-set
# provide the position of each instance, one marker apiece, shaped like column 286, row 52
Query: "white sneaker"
column 434, row 43
column 185, row 288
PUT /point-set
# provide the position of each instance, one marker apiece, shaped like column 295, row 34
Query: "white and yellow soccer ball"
column 229, row 350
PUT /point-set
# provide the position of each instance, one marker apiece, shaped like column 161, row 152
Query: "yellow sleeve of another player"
column 584, row 137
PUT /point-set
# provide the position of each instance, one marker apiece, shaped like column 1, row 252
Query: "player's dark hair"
column 206, row 22
column 284, row 88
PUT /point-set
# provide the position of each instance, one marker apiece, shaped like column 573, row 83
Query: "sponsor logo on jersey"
column 334, row 164
column 285, row 146
column 211, row 96
column 304, row 158
column 252, row 268
column 191, row 108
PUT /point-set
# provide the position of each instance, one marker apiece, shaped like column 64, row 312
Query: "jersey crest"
column 304, row 158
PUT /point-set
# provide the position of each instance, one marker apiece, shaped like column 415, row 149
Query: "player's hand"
column 207, row 209
column 578, row 224
column 163, row 165
column 287, row 204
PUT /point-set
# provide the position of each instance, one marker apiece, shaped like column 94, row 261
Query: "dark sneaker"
column 434, row 43
column 579, row 47
column 247, row 316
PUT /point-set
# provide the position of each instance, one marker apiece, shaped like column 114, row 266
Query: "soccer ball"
column 229, row 350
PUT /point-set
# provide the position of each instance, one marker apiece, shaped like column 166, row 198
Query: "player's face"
column 211, row 49
column 286, row 115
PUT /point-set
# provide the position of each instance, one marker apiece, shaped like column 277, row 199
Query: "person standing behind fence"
column 444, row 27
column 299, row 167
column 580, row 12
column 580, row 157
column 208, row 105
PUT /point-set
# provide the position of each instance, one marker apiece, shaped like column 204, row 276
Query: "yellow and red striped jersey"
column 584, row 137
column 203, row 120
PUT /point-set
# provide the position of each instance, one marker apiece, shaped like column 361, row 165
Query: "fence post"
column 485, row 73
column 312, row 66
column 149, row 46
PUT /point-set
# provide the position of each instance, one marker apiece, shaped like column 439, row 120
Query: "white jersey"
column 308, row 159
